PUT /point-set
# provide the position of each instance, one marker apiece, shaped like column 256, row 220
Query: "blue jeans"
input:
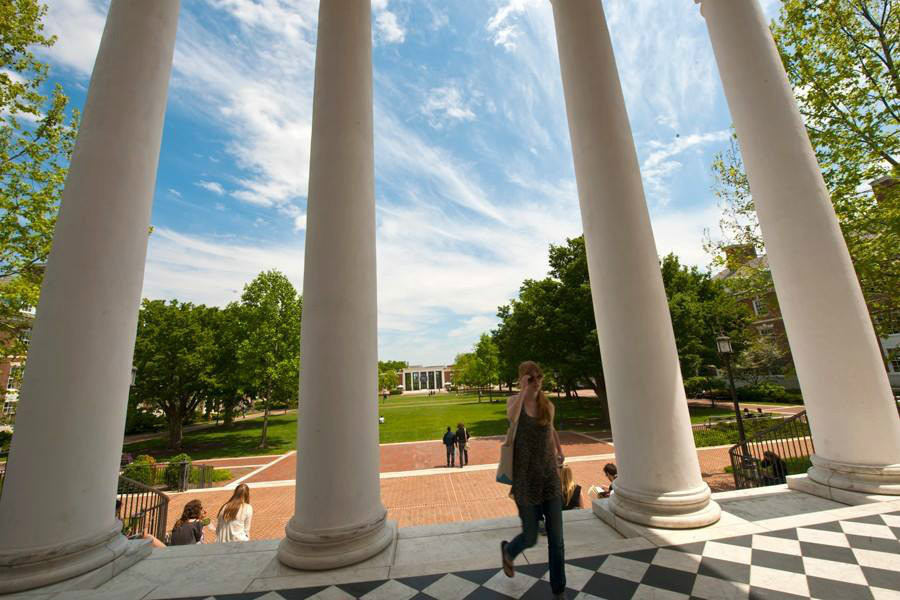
column 552, row 511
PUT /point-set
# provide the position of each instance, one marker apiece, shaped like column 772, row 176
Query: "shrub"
column 762, row 392
column 174, row 474
column 142, row 470
column 396, row 391
column 5, row 439
column 693, row 386
column 144, row 422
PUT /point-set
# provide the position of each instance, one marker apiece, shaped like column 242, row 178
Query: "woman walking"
column 233, row 520
column 536, row 486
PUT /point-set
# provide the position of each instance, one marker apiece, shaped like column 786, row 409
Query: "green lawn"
column 405, row 419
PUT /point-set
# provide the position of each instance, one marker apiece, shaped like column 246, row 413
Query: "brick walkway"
column 447, row 496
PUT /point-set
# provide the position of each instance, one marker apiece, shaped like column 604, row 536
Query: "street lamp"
column 723, row 343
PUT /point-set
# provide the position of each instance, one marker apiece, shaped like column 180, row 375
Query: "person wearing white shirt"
column 233, row 520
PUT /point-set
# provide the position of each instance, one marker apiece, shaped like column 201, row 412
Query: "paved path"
column 417, row 493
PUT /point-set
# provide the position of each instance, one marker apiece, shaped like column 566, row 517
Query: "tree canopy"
column 36, row 141
column 552, row 320
column 841, row 59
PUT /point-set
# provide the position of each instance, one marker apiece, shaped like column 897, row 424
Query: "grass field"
column 405, row 420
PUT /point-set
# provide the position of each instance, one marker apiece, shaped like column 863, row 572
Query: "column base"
column 82, row 565
column 674, row 510
column 865, row 479
column 333, row 548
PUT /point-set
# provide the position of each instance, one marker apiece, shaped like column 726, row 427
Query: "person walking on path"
column 450, row 443
column 233, row 520
column 462, row 438
column 536, row 487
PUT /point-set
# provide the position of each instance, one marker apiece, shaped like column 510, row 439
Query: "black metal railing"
column 141, row 508
column 773, row 454
column 176, row 477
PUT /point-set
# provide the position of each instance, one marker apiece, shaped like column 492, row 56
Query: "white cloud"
column 212, row 271
column 78, row 25
column 662, row 161
column 211, row 186
column 389, row 28
column 445, row 104
column 175, row 192
column 502, row 31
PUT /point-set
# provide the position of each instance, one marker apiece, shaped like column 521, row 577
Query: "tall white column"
column 659, row 480
column 845, row 387
column 339, row 518
column 57, row 510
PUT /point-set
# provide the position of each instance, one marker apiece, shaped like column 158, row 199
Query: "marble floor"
column 771, row 543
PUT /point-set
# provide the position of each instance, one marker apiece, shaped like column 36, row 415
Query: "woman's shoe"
column 508, row 568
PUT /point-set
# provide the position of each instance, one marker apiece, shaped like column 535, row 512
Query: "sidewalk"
column 416, row 490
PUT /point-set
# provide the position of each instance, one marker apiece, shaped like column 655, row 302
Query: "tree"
column 227, row 386
column 174, row 355
column 36, row 142
column 269, row 351
column 701, row 309
column 552, row 321
column 761, row 357
column 387, row 373
column 841, row 59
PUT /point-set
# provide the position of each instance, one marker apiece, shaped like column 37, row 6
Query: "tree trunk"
column 263, row 443
column 229, row 412
column 176, row 435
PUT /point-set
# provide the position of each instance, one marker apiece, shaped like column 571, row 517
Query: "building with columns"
column 57, row 525
column 419, row 378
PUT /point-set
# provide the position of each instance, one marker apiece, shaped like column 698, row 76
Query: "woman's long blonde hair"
column 532, row 368
column 568, row 483
column 230, row 509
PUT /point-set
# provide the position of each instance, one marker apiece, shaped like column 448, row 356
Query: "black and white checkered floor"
column 841, row 560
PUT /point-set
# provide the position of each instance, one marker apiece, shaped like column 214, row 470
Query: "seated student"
column 571, row 491
column 775, row 468
column 611, row 472
column 189, row 528
column 154, row 541
column 233, row 519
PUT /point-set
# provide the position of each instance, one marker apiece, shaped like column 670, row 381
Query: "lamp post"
column 723, row 343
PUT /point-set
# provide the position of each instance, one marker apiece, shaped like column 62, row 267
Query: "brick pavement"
column 415, row 456
column 454, row 495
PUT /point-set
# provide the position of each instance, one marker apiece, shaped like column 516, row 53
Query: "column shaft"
column 57, row 513
column 659, row 482
column 339, row 516
column 846, row 390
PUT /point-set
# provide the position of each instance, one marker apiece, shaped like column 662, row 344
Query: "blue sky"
column 474, row 174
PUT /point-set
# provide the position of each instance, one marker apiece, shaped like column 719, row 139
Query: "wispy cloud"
column 387, row 25
column 211, row 186
column 212, row 270
column 446, row 104
column 663, row 162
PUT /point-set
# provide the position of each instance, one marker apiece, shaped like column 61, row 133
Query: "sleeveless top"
column 535, row 474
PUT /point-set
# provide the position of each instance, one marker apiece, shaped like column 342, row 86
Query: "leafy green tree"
column 269, row 351
column 841, row 59
column 174, row 356
column 227, row 386
column 701, row 309
column 387, row 373
column 36, row 141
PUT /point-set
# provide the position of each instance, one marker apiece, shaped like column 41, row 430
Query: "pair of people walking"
column 536, row 487
column 457, row 441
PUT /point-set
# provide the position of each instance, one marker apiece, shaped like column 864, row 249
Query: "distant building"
column 423, row 378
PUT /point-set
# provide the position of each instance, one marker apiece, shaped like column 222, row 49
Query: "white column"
column 57, row 512
column 339, row 518
column 659, row 480
column 845, row 387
